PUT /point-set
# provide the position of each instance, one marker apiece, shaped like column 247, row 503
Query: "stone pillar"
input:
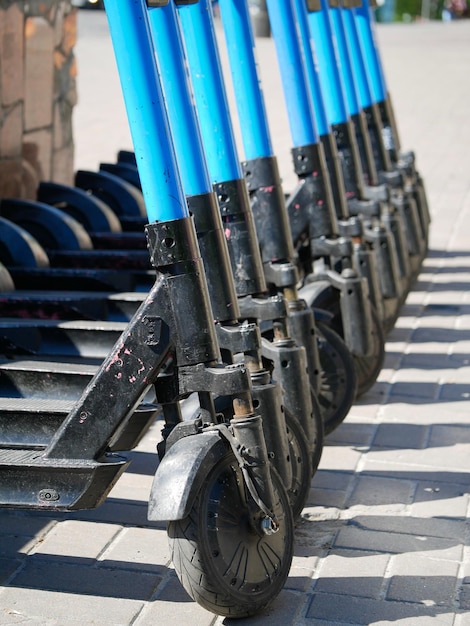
column 37, row 94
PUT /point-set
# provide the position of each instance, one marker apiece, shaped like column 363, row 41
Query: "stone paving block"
column 74, row 539
column 41, row 140
column 368, row 407
column 7, row 568
column 375, row 491
column 300, row 576
column 13, row 546
column 48, row 608
column 458, row 371
column 332, row 479
column 402, row 411
column 172, row 605
column 117, row 511
column 344, row 572
column 287, row 608
column 462, row 619
column 63, row 575
column 419, row 579
column 144, row 549
column 458, row 392
column 420, row 360
column 419, row 376
column 326, row 498
column 39, row 72
column 11, row 132
column 378, row 466
column 441, row 500
column 455, row 530
column 340, row 459
column 442, row 458
column 355, row 611
column 11, row 48
column 443, row 435
column 463, row 320
column 24, row 523
column 352, row 434
column 444, row 619
column 396, row 543
column 312, row 538
column 134, row 484
column 400, row 435
column 415, row 390
column 430, row 347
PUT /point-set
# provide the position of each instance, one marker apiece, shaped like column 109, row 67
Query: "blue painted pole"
column 209, row 91
column 311, row 68
column 291, row 63
column 326, row 55
column 366, row 25
column 347, row 74
column 146, row 110
column 357, row 61
column 246, row 82
column 178, row 92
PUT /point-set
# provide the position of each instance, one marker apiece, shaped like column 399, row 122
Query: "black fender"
column 324, row 300
column 181, row 474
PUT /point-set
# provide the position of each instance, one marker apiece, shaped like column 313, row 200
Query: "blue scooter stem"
column 209, row 90
column 146, row 110
column 350, row 88
column 365, row 24
column 334, row 95
column 291, row 63
column 246, row 82
column 183, row 118
column 364, row 89
column 311, row 69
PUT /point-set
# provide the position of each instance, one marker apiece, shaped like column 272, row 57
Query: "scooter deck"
column 70, row 305
column 30, row 423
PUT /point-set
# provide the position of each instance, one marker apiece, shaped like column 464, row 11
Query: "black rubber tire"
column 368, row 367
column 221, row 561
column 319, row 436
column 301, row 463
column 338, row 377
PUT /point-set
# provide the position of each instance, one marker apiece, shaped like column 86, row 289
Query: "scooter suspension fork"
column 277, row 251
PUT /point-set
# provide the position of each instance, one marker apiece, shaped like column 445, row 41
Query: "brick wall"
column 37, row 94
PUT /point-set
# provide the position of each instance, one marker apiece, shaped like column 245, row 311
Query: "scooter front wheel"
column 338, row 383
column 301, row 462
column 221, row 560
column 368, row 367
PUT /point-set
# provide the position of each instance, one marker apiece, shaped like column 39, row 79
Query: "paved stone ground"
column 384, row 538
